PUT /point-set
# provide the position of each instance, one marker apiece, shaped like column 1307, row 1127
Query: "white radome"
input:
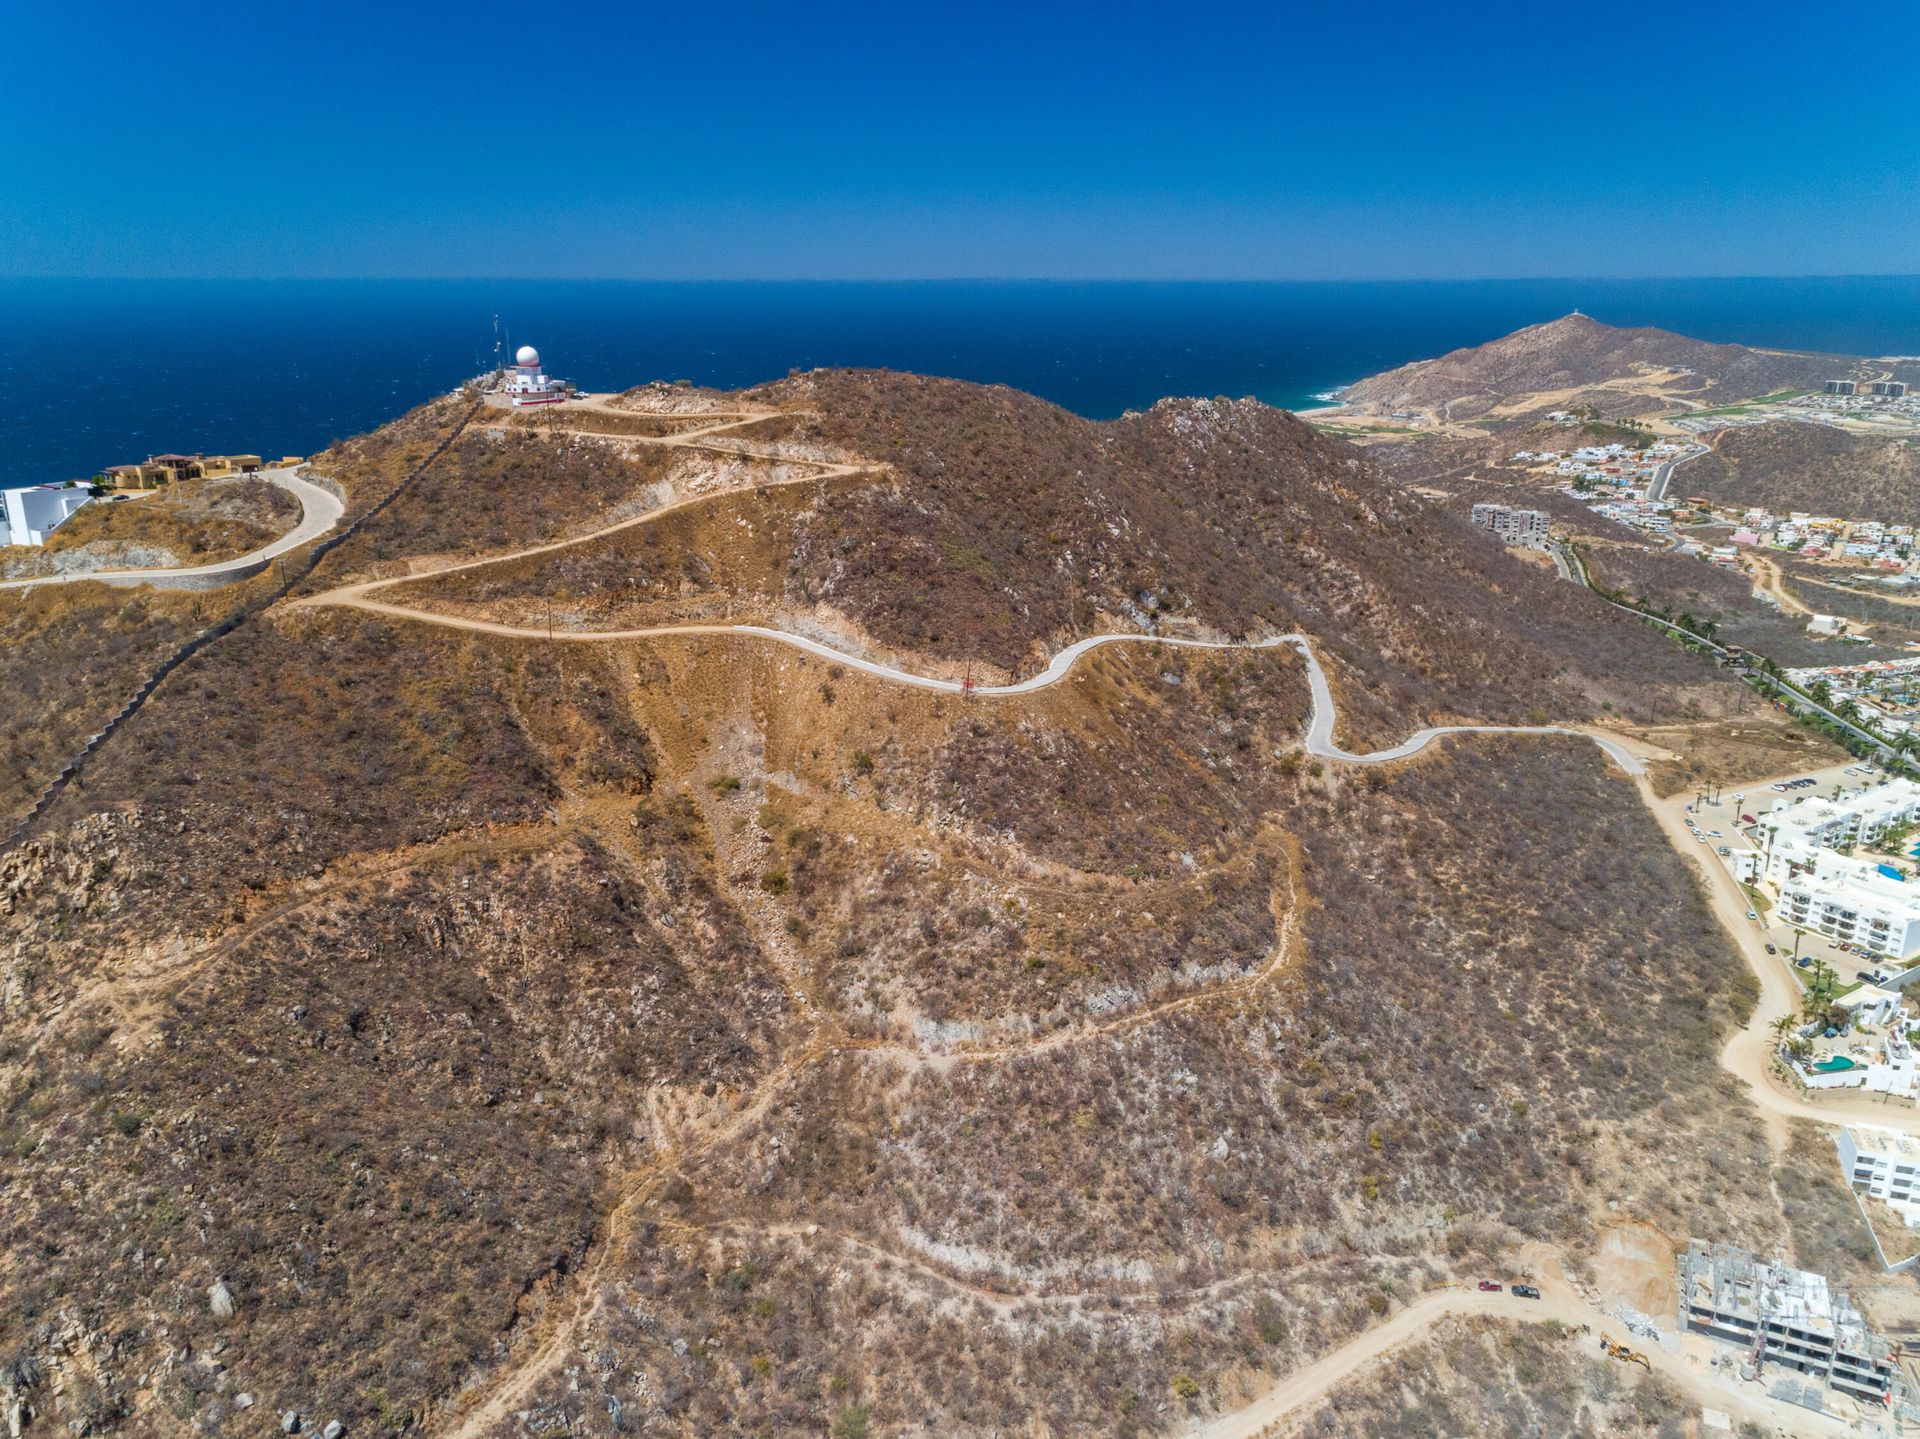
column 526, row 355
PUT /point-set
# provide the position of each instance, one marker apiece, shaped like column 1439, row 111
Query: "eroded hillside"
column 689, row 1034
column 1577, row 362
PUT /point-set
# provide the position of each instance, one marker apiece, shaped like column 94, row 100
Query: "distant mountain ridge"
column 1577, row 361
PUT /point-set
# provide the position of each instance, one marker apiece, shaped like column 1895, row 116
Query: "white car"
column 1753, row 914
column 1714, row 832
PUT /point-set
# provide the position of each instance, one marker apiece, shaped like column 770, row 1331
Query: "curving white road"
column 320, row 511
column 1319, row 739
column 1745, row 1055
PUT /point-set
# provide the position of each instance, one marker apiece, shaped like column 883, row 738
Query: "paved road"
column 320, row 511
column 1792, row 698
column 1657, row 486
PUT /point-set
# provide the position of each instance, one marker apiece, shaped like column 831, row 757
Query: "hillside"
column 193, row 523
column 1786, row 467
column 1576, row 362
column 477, row 1034
column 1002, row 527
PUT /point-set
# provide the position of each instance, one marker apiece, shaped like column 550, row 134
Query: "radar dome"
column 526, row 355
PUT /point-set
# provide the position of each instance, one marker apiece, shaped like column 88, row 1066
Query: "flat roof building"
column 1883, row 1164
column 1527, row 528
column 1854, row 902
column 1783, row 1316
column 36, row 511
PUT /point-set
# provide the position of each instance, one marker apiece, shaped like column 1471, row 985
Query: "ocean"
column 94, row 373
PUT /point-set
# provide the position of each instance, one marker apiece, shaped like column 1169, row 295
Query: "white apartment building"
column 1883, row 1164
column 1517, row 527
column 1840, row 822
column 1854, row 902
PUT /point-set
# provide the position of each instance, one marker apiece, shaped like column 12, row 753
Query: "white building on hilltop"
column 527, row 384
column 1855, row 902
column 1516, row 527
column 36, row 511
column 1795, row 827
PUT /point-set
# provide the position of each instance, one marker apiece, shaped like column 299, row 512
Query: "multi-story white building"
column 1883, row 1164
column 1517, row 527
column 1840, row 822
column 1854, row 902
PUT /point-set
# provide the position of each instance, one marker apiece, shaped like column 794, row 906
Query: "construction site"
column 1791, row 1319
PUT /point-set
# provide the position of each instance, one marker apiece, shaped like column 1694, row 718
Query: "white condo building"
column 36, row 511
column 1854, row 902
column 1883, row 1164
column 1794, row 827
column 1851, row 901
column 1517, row 527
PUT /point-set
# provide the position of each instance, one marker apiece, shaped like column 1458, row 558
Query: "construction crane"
column 1626, row 1355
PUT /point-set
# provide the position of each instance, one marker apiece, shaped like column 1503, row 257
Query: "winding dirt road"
column 1746, row 1054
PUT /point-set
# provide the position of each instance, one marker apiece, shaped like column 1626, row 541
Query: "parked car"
column 1488, row 1286
column 1846, row 949
column 1748, row 819
column 1753, row 914
column 1773, row 949
column 1724, row 850
column 1865, row 976
column 1526, row 1291
column 1805, row 961
column 1714, row 832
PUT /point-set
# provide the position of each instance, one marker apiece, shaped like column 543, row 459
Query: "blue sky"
column 860, row 141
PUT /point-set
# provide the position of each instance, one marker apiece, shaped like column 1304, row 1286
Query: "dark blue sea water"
column 99, row 372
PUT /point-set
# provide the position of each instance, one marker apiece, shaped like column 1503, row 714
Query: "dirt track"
column 1745, row 1055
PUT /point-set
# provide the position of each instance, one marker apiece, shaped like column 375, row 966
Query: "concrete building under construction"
column 1786, row 1317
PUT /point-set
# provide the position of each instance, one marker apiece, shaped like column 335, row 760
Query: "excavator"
column 1626, row 1355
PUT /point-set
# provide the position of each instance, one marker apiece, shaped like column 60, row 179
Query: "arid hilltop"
column 486, row 992
column 1578, row 363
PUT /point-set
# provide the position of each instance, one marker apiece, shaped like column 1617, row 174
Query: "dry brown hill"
column 1004, row 527
column 1576, row 362
column 690, row 1036
column 1785, row 467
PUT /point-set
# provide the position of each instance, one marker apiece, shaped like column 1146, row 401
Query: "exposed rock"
column 290, row 1422
column 220, row 1300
